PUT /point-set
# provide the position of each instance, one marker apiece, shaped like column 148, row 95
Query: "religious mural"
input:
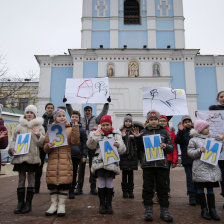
column 133, row 69
column 110, row 70
column 156, row 69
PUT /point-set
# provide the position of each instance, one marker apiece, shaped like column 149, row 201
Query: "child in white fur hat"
column 27, row 164
column 204, row 174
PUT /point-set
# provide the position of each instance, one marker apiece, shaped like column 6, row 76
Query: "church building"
column 136, row 43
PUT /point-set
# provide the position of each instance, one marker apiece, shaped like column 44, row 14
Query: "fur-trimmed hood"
column 38, row 121
column 194, row 133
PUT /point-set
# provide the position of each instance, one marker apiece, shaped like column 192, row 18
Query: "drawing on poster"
column 166, row 100
column 153, row 151
column 212, row 152
column 22, row 145
column 109, row 151
column 215, row 118
column 95, row 90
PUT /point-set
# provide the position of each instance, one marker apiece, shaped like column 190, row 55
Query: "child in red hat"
column 105, row 173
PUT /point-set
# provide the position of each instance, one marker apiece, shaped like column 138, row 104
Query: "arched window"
column 131, row 12
column 156, row 69
column 133, row 69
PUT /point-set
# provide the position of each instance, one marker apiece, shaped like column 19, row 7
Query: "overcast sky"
column 29, row 27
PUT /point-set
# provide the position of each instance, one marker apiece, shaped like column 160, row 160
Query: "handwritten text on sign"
column 22, row 144
column 212, row 151
column 57, row 134
column 153, row 150
column 109, row 151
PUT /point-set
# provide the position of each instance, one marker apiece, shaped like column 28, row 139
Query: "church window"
column 164, row 7
column 101, row 8
column 131, row 12
column 133, row 69
column 156, row 69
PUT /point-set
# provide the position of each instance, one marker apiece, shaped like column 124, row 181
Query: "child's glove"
column 109, row 99
column 64, row 100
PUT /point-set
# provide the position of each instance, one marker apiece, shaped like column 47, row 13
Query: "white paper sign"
column 212, row 151
column 95, row 90
column 22, row 145
column 109, row 151
column 153, row 150
column 167, row 101
column 215, row 118
column 57, row 134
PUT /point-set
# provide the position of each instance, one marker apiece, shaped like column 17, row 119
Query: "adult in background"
column 48, row 119
column 220, row 106
column 88, row 122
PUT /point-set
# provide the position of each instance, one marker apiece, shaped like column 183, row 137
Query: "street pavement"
column 84, row 208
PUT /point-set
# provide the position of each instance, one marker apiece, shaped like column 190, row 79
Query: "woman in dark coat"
column 129, row 160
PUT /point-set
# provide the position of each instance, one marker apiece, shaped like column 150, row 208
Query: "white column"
column 44, row 90
column 77, row 69
column 151, row 27
column 220, row 78
column 114, row 23
column 86, row 39
column 178, row 7
column 151, row 8
column 87, row 8
column 190, row 77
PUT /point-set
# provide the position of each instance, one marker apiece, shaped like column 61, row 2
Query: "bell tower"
column 154, row 24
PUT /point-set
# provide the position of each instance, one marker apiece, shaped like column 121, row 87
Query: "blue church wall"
column 206, row 86
column 177, row 72
column 101, row 38
column 90, row 70
column 94, row 11
column 58, row 82
column 165, row 38
column 100, row 25
column 133, row 39
column 165, row 24
column 170, row 11
column 142, row 26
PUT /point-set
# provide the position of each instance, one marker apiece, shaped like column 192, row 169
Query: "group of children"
column 63, row 161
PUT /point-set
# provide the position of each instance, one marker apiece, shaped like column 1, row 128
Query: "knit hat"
column 106, row 118
column 32, row 109
column 200, row 125
column 153, row 114
column 185, row 117
column 57, row 111
column 128, row 117
column 164, row 117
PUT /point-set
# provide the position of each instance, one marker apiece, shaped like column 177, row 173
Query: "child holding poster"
column 105, row 173
column 27, row 163
column 155, row 172
column 59, row 175
column 129, row 160
column 204, row 175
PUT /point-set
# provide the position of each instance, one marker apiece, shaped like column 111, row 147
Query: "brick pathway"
column 84, row 208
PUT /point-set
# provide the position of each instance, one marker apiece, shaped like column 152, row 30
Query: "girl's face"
column 127, row 123
column 205, row 131
column 29, row 115
column 49, row 109
column 106, row 126
column 60, row 118
column 153, row 122
column 74, row 118
column 163, row 122
column 221, row 98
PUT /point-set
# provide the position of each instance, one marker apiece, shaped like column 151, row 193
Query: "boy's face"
column 153, row 122
column 187, row 123
column 106, row 126
column 49, row 109
column 221, row 98
column 74, row 118
column 88, row 112
column 127, row 123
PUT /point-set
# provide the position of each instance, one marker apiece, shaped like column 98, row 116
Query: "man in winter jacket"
column 48, row 119
column 88, row 123
column 3, row 138
column 182, row 138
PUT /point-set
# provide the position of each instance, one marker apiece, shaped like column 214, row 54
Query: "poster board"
column 22, row 145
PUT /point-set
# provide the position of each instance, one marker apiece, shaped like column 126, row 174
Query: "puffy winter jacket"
column 59, row 167
column 93, row 143
column 201, row 171
column 165, row 138
column 4, row 140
